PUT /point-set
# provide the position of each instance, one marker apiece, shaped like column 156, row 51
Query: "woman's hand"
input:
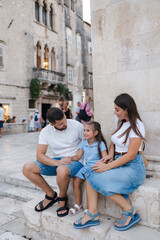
column 107, row 159
column 100, row 166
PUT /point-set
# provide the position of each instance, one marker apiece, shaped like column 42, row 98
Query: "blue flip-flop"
column 135, row 219
column 90, row 223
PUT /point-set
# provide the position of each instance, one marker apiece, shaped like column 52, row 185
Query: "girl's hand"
column 101, row 167
column 107, row 159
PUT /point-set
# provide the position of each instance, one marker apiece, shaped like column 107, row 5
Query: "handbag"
column 144, row 158
column 83, row 115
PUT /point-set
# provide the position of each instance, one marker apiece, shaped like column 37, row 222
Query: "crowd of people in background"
column 36, row 122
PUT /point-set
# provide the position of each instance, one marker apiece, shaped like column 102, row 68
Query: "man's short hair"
column 0, row 104
column 54, row 114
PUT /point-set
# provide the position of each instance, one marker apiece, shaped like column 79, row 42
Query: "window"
column 72, row 5
column 69, row 35
column 51, row 18
column 44, row 15
column 53, row 60
column 78, row 41
column 7, row 110
column 70, row 74
column 1, row 56
column 46, row 57
column 89, row 47
column 38, row 55
column 37, row 11
column 31, row 103
column 90, row 80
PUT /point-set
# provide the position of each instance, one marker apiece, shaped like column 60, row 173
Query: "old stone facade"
column 126, row 49
column 45, row 40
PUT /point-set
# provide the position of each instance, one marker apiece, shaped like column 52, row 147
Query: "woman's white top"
column 118, row 141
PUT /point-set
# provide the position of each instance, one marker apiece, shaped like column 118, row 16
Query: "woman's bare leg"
column 125, row 206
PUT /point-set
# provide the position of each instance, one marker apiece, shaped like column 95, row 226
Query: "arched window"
column 37, row 11
column 51, row 17
column 46, row 57
column 53, row 60
column 72, row 5
column 1, row 56
column 44, row 14
column 38, row 55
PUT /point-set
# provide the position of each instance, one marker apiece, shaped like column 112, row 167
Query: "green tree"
column 35, row 88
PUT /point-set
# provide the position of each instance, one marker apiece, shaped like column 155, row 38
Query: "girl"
column 31, row 124
column 94, row 147
column 123, row 175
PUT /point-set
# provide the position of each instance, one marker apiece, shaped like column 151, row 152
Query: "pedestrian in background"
column 86, row 105
column 77, row 111
column 1, row 119
column 66, row 110
column 60, row 103
column 8, row 119
column 31, row 124
column 13, row 120
column 37, row 121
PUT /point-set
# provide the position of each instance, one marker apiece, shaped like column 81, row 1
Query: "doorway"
column 45, row 108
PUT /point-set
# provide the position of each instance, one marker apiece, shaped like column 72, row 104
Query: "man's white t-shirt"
column 119, row 146
column 63, row 143
column 2, row 114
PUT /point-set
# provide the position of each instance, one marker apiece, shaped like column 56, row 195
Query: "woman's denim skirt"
column 122, row 180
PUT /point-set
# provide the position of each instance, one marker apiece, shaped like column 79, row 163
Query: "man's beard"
column 60, row 129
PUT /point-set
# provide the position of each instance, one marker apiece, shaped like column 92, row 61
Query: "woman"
column 116, row 179
column 66, row 110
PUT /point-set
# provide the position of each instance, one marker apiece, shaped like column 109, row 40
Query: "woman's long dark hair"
column 125, row 101
column 99, row 137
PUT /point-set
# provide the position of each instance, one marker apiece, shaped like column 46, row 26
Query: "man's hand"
column 65, row 160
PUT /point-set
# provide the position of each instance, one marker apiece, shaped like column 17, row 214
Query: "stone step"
column 47, row 226
column 18, row 192
column 11, row 236
column 146, row 200
column 18, row 179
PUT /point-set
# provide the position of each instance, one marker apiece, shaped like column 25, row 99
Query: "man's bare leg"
column 63, row 180
column 32, row 172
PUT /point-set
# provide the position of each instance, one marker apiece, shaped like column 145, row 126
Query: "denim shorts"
column 47, row 170
column 1, row 124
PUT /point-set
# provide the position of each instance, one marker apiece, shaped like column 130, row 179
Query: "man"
column 77, row 111
column 1, row 119
column 64, row 137
column 60, row 103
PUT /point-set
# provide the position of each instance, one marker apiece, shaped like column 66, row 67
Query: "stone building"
column 45, row 40
column 126, row 58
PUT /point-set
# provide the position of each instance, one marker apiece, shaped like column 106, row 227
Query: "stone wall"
column 126, row 50
column 12, row 128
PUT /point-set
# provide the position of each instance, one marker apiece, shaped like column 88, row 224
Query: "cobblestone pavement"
column 15, row 150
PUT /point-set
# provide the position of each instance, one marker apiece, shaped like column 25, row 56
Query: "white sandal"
column 74, row 212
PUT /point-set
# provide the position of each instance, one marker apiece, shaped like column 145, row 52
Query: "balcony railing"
column 48, row 76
